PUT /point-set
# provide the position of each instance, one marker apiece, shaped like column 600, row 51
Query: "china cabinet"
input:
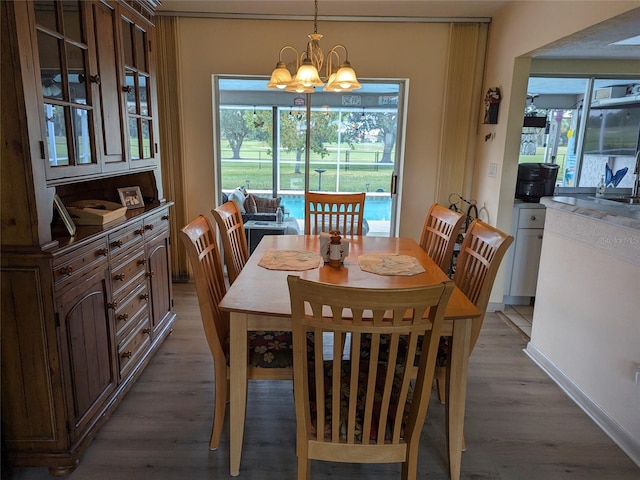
column 81, row 314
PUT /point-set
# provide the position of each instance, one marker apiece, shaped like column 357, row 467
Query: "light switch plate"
column 493, row 169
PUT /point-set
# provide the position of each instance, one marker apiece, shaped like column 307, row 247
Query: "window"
column 591, row 128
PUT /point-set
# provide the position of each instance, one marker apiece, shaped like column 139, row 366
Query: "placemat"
column 293, row 260
column 390, row 264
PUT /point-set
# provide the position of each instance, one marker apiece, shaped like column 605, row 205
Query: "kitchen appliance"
column 536, row 180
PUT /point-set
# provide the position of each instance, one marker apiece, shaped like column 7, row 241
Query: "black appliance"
column 536, row 180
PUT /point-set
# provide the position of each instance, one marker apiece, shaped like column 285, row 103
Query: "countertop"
column 608, row 211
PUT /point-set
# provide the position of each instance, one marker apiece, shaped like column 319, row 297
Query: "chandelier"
column 339, row 77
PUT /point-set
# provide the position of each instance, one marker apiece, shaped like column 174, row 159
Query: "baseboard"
column 495, row 307
column 619, row 435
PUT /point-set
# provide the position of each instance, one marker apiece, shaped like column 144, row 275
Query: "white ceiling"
column 593, row 43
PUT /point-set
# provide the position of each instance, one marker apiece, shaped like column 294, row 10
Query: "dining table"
column 259, row 300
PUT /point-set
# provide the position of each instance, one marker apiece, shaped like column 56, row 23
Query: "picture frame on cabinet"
column 131, row 197
column 64, row 215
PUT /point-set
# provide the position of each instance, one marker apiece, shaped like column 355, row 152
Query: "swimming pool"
column 376, row 207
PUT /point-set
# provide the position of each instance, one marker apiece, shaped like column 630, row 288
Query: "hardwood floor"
column 519, row 424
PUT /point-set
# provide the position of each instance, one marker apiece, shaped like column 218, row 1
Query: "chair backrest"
column 199, row 239
column 439, row 234
column 234, row 240
column 374, row 407
column 334, row 211
column 480, row 255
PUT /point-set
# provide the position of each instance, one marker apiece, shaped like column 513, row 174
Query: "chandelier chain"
column 315, row 18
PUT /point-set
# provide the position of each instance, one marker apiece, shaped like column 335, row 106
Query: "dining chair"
column 234, row 240
column 266, row 360
column 334, row 211
column 439, row 234
column 361, row 408
column 480, row 256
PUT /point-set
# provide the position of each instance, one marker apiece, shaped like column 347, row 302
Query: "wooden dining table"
column 259, row 300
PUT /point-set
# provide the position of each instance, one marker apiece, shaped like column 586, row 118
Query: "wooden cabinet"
column 81, row 315
column 524, row 259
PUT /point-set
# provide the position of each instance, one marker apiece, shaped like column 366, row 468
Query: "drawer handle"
column 119, row 276
column 144, row 296
column 146, row 330
column 139, row 231
column 112, row 305
column 142, row 261
column 102, row 252
column 148, row 227
column 150, row 274
column 68, row 270
column 126, row 354
column 123, row 317
column 116, row 244
column 165, row 217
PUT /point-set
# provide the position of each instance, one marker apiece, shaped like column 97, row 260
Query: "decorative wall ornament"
column 492, row 105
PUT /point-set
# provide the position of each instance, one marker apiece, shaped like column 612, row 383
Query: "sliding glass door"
column 353, row 145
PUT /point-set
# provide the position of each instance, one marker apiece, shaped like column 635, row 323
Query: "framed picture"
column 64, row 214
column 131, row 197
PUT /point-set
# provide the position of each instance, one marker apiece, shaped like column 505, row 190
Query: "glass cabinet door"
column 137, row 74
column 67, row 88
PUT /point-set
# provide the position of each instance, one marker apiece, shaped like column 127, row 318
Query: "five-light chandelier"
column 310, row 63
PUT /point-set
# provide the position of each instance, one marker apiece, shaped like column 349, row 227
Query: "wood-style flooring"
column 519, row 424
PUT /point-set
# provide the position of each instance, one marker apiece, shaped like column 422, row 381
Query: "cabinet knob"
column 533, row 218
column 165, row 217
column 148, row 227
column 94, row 79
column 102, row 252
column 146, row 330
column 68, row 270
column 123, row 317
column 116, row 244
column 150, row 273
column 126, row 354
column 142, row 261
column 127, row 89
column 119, row 276
column 139, row 231
column 112, row 305
column 539, row 237
column 144, row 296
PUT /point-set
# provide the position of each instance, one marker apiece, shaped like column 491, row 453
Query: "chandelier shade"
column 310, row 66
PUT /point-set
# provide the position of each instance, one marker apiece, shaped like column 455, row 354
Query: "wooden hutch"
column 83, row 313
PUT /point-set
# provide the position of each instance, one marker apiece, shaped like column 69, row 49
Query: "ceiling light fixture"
column 310, row 63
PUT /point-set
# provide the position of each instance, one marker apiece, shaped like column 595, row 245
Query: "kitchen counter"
column 608, row 211
column 585, row 332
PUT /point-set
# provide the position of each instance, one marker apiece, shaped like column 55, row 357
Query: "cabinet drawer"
column 531, row 218
column 134, row 346
column 131, row 309
column 125, row 238
column 79, row 262
column 127, row 275
column 156, row 223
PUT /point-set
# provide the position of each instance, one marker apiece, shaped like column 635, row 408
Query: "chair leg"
column 304, row 469
column 221, row 392
column 440, row 376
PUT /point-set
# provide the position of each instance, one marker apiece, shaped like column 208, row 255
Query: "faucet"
column 635, row 193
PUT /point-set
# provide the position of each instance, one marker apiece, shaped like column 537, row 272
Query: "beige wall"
column 376, row 50
column 417, row 52
column 518, row 30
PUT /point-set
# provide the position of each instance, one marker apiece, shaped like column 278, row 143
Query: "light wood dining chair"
column 334, row 211
column 439, row 234
column 234, row 239
column 361, row 408
column 480, row 256
column 265, row 361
